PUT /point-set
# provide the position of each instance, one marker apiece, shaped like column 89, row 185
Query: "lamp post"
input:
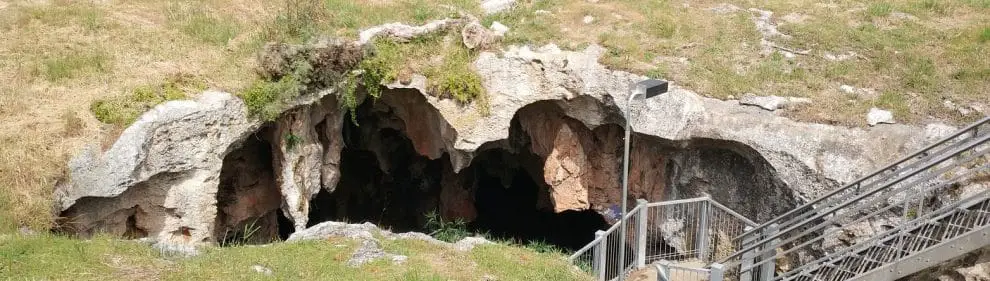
column 638, row 91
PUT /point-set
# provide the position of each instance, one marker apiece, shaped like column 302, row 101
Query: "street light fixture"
column 638, row 91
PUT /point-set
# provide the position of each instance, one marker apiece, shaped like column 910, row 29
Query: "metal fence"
column 689, row 231
column 897, row 200
column 669, row 271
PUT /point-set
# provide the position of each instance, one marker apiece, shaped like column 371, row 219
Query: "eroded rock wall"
column 163, row 176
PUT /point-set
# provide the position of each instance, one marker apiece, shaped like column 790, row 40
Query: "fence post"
column 600, row 258
column 716, row 272
column 746, row 264
column 701, row 241
column 641, row 218
column 663, row 271
column 769, row 249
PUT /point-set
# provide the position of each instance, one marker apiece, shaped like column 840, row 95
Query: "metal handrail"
column 742, row 218
column 886, row 235
column 860, row 219
column 922, row 152
column 818, row 215
column 598, row 240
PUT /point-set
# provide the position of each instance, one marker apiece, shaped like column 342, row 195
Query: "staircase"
column 882, row 226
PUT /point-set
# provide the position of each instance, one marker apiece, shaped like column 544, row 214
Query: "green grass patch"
column 526, row 26
column 511, row 263
column 50, row 257
column 73, row 64
column 203, row 26
column 985, row 35
column 64, row 13
column 897, row 103
column 300, row 20
column 124, row 110
column 879, row 9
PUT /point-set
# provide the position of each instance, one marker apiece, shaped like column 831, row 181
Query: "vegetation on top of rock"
column 124, row 110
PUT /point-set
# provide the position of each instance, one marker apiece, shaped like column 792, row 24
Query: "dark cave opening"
column 513, row 202
column 383, row 179
column 248, row 198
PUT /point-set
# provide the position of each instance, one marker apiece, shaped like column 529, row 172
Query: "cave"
column 248, row 198
column 383, row 178
column 513, row 201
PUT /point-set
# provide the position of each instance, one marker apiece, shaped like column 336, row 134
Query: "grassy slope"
column 58, row 58
column 50, row 257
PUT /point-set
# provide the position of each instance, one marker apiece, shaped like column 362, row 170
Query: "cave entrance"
column 513, row 201
column 248, row 198
column 383, row 179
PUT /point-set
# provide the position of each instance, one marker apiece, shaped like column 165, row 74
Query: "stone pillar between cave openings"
column 331, row 132
column 564, row 171
column 191, row 207
column 298, row 163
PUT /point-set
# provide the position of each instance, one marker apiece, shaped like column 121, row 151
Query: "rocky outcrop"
column 162, row 178
column 972, row 266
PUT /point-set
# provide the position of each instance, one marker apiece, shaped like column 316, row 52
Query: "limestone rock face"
column 161, row 176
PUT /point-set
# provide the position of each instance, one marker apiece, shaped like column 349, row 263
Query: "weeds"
column 544, row 247
column 448, row 231
column 243, row 236
column 291, row 141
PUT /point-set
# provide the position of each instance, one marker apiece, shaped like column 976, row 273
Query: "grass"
column 879, row 9
column 46, row 256
column 72, row 64
column 124, row 110
column 203, row 25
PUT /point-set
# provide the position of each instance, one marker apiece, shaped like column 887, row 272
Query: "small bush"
column 455, row 79
column 291, row 141
column 266, row 99
column 449, row 231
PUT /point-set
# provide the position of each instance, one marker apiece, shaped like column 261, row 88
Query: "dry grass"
column 58, row 57
column 915, row 54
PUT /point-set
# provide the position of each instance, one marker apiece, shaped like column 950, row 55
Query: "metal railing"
column 814, row 230
column 695, row 230
column 683, row 237
column 668, row 271
column 878, row 177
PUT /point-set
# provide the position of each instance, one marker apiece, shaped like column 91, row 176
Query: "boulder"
column 496, row 6
column 879, row 116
